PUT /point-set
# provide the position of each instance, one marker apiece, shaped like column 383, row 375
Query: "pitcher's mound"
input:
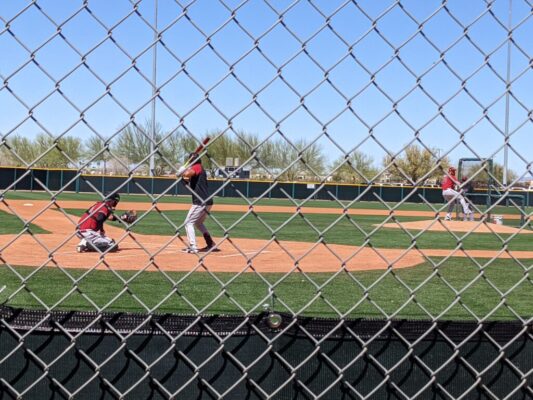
column 456, row 226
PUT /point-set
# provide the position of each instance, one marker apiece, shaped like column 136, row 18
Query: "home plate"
column 28, row 204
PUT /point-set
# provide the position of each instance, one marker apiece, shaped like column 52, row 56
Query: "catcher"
column 196, row 179
column 91, row 225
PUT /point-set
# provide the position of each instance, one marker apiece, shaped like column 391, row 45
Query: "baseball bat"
column 198, row 150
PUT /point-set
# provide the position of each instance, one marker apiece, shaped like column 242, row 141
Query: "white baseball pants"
column 450, row 195
column 195, row 218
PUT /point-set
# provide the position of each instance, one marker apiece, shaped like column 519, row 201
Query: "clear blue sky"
column 350, row 55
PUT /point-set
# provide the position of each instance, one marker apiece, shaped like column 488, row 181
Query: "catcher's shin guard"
column 99, row 247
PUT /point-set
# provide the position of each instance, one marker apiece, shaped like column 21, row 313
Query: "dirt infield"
column 456, row 226
column 153, row 252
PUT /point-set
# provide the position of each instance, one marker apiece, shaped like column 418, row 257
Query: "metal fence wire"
column 354, row 92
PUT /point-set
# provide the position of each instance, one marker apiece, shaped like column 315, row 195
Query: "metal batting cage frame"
column 321, row 130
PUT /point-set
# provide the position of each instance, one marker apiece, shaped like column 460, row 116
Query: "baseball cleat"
column 81, row 249
column 190, row 250
column 206, row 249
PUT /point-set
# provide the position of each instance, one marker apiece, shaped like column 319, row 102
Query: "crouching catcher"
column 91, row 225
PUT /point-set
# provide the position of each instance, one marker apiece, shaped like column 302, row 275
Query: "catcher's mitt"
column 129, row 216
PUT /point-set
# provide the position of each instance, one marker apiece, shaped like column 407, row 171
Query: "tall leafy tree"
column 357, row 167
column 25, row 149
column 416, row 163
column 174, row 150
column 61, row 153
column 295, row 162
column 95, row 150
column 482, row 175
column 134, row 144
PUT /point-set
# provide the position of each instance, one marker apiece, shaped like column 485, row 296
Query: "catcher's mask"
column 112, row 199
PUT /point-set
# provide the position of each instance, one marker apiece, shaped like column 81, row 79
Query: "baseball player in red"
column 91, row 226
column 449, row 184
column 196, row 179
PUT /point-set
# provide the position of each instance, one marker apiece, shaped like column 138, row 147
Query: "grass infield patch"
column 11, row 225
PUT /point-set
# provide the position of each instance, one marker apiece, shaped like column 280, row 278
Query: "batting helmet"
column 452, row 170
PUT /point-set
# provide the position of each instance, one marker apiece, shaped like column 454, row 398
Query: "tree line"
column 275, row 157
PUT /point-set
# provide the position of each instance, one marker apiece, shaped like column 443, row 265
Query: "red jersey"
column 198, row 183
column 94, row 218
column 449, row 182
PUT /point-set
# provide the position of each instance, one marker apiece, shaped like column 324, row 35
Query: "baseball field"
column 366, row 259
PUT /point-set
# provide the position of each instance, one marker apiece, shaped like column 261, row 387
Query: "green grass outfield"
column 369, row 205
column 481, row 288
column 484, row 290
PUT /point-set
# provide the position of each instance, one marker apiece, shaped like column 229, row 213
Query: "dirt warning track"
column 152, row 252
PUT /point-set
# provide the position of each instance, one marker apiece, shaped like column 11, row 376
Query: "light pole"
column 507, row 99
column 154, row 91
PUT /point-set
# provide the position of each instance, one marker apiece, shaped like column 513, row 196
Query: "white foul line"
column 246, row 253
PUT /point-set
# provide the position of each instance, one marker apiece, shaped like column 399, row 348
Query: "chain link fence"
column 299, row 297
